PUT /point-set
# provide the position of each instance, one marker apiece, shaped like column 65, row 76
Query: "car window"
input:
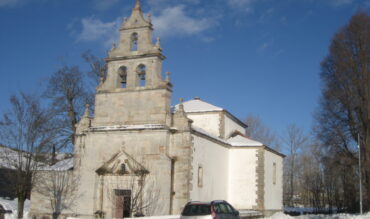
column 196, row 209
column 230, row 209
column 221, row 208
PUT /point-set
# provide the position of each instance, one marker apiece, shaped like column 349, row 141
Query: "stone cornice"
column 167, row 87
column 128, row 127
column 117, row 58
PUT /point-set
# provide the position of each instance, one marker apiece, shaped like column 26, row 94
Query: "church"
column 139, row 155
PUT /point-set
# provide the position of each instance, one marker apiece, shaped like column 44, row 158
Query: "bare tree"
column 70, row 90
column 345, row 104
column 68, row 95
column 294, row 141
column 59, row 187
column 29, row 131
column 259, row 131
column 98, row 68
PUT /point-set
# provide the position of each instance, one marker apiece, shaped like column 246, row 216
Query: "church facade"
column 139, row 156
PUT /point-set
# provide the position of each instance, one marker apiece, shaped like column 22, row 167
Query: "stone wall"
column 136, row 107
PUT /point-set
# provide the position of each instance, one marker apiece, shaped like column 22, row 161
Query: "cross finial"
column 137, row 6
column 87, row 111
column 167, row 76
column 150, row 17
column 158, row 43
column 181, row 100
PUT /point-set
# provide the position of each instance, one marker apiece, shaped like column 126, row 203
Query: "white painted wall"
column 214, row 160
column 231, row 126
column 242, row 179
column 209, row 121
column 273, row 191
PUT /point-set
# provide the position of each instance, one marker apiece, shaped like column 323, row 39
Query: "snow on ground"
column 12, row 205
column 281, row 215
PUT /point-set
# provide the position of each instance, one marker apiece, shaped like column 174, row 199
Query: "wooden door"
column 123, row 203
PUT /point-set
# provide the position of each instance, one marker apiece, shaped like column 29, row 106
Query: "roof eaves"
column 235, row 119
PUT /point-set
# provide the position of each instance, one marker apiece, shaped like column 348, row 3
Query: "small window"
column 200, row 176
column 141, row 74
column 274, row 173
column 123, row 76
column 134, row 42
column 123, row 168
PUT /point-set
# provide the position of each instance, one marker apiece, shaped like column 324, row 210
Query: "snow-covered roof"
column 198, row 105
column 62, row 165
column 9, row 159
column 12, row 159
column 236, row 141
column 5, row 155
column 240, row 141
column 204, row 132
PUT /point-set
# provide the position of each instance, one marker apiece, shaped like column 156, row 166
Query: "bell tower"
column 134, row 91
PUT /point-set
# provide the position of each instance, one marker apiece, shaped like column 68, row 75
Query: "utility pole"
column 360, row 171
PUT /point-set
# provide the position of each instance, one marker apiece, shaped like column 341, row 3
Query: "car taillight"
column 213, row 213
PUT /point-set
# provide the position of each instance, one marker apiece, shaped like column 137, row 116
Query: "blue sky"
column 258, row 57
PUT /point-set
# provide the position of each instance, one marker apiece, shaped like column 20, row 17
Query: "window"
column 122, row 72
column 200, row 176
column 196, row 210
column 123, row 76
column 134, row 42
column 123, row 168
column 141, row 72
column 274, row 173
column 221, row 208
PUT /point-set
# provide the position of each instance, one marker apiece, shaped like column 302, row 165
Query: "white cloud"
column 104, row 4
column 168, row 22
column 173, row 21
column 265, row 46
column 94, row 29
column 245, row 5
column 10, row 3
column 338, row 3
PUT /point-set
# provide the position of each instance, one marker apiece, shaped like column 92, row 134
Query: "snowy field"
column 12, row 205
column 334, row 216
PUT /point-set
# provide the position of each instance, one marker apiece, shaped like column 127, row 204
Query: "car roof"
column 204, row 203
column 198, row 203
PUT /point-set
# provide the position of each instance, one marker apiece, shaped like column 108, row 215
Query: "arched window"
column 134, row 42
column 141, row 72
column 122, row 72
column 200, row 176
column 123, row 168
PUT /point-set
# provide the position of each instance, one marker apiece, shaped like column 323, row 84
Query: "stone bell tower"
column 133, row 91
column 133, row 124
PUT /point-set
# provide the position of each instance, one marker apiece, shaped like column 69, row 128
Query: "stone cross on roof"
column 138, row 5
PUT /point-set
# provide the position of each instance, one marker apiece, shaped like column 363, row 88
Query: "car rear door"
column 234, row 213
column 196, row 211
column 222, row 211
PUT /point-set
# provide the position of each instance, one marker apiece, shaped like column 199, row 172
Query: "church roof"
column 62, row 165
column 240, row 141
column 198, row 105
column 235, row 141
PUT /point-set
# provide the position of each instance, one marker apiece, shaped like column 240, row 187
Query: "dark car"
column 209, row 210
